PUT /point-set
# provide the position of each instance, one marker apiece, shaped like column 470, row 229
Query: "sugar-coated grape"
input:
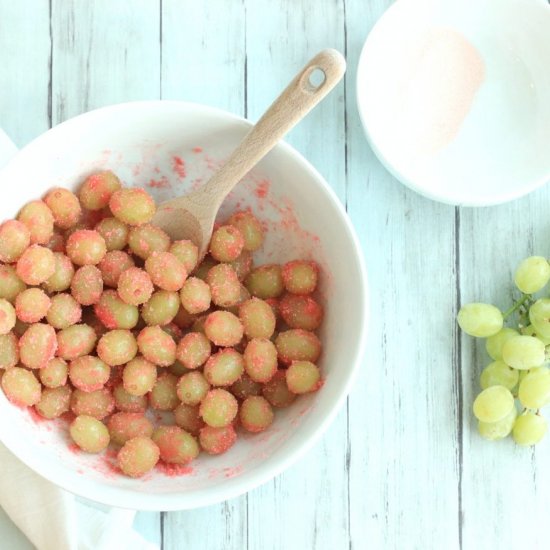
column 146, row 239
column 303, row 377
column 224, row 368
column 529, row 428
column 223, row 328
column 493, row 404
column 10, row 283
column 86, row 247
column 257, row 318
column 135, row 286
column 87, row 285
column 176, row 445
column 55, row 373
column 534, row 389
column 97, row 189
column 195, row 295
column 298, row 345
column 138, row 456
column 188, row 418
column 15, row 238
column 127, row 402
column 498, row 373
column 265, row 281
column 139, row 376
column 301, row 311
column 113, row 265
column 161, row 308
column 481, row 320
column 245, row 387
column 499, row 429
column 216, row 441
column 124, row 426
column 37, row 346
column 76, row 341
column 227, row 243
column 224, row 284
column 218, row 408
column 63, row 274
column 32, row 305
column 532, row 274
column 187, row 253
column 193, row 350
column 64, row 311
column 192, row 388
column 36, row 265
column 88, row 373
column 117, row 347
column 38, row 218
column 164, row 396
column 114, row 313
column 65, row 207
column 132, row 206
column 166, row 271
column 114, row 233
column 260, row 359
column 494, row 343
column 90, row 434
column 523, row 352
column 250, row 228
column 21, row 387
column 54, row 402
column 300, row 276
column 157, row 346
column 7, row 316
column 276, row 391
column 242, row 265
column 99, row 403
column 9, row 350
column 256, row 414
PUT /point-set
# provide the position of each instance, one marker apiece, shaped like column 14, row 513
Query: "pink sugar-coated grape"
column 65, row 207
column 113, row 265
column 86, row 247
column 32, row 305
column 37, row 346
column 36, row 265
column 15, row 238
column 166, row 271
column 87, row 285
column 38, row 218
column 300, row 276
column 132, row 206
column 97, row 190
column 135, row 286
column 301, row 311
column 223, row 328
column 226, row 244
column 216, row 441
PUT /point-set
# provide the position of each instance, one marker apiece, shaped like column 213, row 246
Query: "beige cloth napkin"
column 53, row 519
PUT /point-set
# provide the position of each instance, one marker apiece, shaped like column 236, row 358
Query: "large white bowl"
column 304, row 218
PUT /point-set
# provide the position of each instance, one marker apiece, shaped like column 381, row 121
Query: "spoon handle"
column 294, row 103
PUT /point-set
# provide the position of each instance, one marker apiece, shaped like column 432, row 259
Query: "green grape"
column 87, row 285
column 9, row 350
column 193, row 350
column 256, row 414
column 65, row 207
column 132, row 206
column 493, row 404
column 188, row 418
column 498, row 373
column 499, row 429
column 250, row 228
column 21, row 387
column 532, row 274
column 224, row 368
column 260, row 359
column 226, row 244
column 297, row 345
column 124, row 426
column 38, row 218
column 494, row 343
column 99, row 403
column 88, row 373
column 55, row 373
column 257, row 318
column 187, row 253
column 276, row 391
column 534, row 389
column 15, row 238
column 166, row 271
column 139, row 376
column 223, row 328
column 218, row 408
column 300, row 276
column 539, row 315
column 161, row 308
column 523, row 352
column 529, row 429
column 301, row 311
column 90, row 434
column 115, row 263
column 75, row 341
column 216, row 441
column 117, row 347
column 195, row 296
column 157, row 346
column 54, row 402
column 114, row 233
column 265, row 281
column 86, row 247
column 481, row 320
column 146, row 239
column 138, row 456
column 97, row 189
column 192, row 388
column 303, row 377
column 164, row 396
column 135, row 286
column 10, row 283
column 64, row 311
column 224, row 284
column 36, row 265
column 176, row 445
column 7, row 317
column 114, row 313
column 63, row 274
column 37, row 346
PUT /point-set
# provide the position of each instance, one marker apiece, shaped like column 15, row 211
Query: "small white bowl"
column 479, row 71
column 168, row 147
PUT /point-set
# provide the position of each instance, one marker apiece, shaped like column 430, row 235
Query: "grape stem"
column 524, row 298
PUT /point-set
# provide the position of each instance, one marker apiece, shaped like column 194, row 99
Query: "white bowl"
column 304, row 217
column 493, row 144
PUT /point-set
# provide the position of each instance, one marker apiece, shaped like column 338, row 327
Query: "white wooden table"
column 402, row 467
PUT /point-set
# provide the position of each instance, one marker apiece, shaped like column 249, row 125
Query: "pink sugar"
column 178, row 167
column 161, row 183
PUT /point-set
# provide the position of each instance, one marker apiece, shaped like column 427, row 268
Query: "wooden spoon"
column 192, row 216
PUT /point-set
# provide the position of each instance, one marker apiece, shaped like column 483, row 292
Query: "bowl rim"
column 451, row 197
column 126, row 497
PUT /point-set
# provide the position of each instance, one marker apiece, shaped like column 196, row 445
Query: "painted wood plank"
column 148, row 525
column 307, row 506
column 104, row 52
column 203, row 60
column 404, row 410
column 24, row 69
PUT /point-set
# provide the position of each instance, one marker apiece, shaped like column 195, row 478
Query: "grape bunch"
column 519, row 373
